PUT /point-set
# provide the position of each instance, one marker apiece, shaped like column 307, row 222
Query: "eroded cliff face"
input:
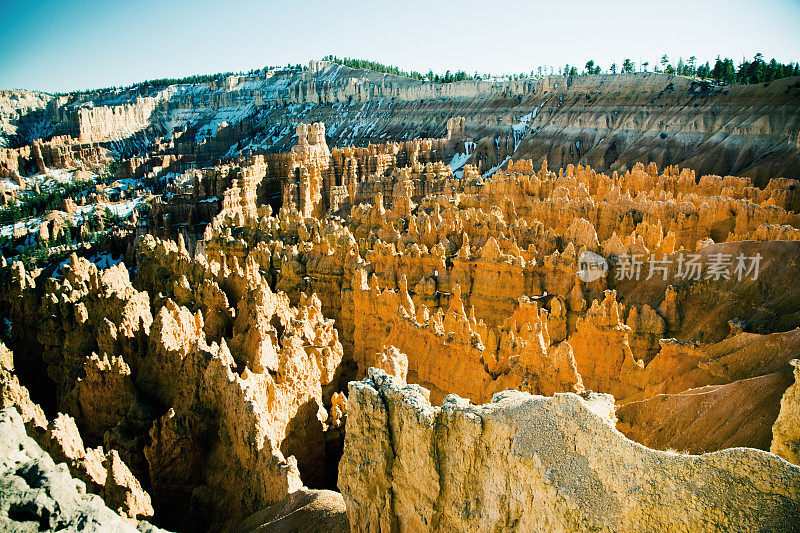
column 786, row 437
column 218, row 420
column 102, row 473
column 22, row 115
column 609, row 122
column 535, row 463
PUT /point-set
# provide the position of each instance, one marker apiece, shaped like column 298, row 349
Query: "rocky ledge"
column 535, row 463
column 38, row 495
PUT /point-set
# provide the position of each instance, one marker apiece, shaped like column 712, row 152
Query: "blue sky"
column 59, row 46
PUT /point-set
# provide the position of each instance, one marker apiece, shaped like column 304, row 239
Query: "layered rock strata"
column 608, row 121
column 214, row 364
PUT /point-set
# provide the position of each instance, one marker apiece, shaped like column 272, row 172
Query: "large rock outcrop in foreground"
column 786, row 431
column 103, row 473
column 36, row 494
column 536, row 463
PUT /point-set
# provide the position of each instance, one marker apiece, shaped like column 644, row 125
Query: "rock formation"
column 609, row 122
column 786, row 437
column 200, row 402
column 39, row 495
column 410, row 466
column 103, row 473
column 522, row 318
column 733, row 415
column 310, row 511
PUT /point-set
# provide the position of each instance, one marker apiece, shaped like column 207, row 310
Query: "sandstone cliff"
column 786, row 438
column 220, row 420
column 103, row 473
column 410, row 466
column 609, row 122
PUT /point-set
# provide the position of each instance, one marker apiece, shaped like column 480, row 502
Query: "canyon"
column 335, row 299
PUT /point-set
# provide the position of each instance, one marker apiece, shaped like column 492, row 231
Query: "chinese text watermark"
column 682, row 266
column 687, row 266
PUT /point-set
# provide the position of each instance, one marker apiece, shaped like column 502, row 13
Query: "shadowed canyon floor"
column 462, row 327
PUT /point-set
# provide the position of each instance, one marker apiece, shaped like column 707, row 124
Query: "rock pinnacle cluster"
column 328, row 300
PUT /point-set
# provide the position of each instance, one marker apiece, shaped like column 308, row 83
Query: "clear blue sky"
column 59, row 46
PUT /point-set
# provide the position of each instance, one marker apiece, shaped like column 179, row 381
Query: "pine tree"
column 718, row 70
column 729, row 72
column 628, row 66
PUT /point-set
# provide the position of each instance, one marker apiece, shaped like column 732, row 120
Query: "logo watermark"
column 591, row 266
